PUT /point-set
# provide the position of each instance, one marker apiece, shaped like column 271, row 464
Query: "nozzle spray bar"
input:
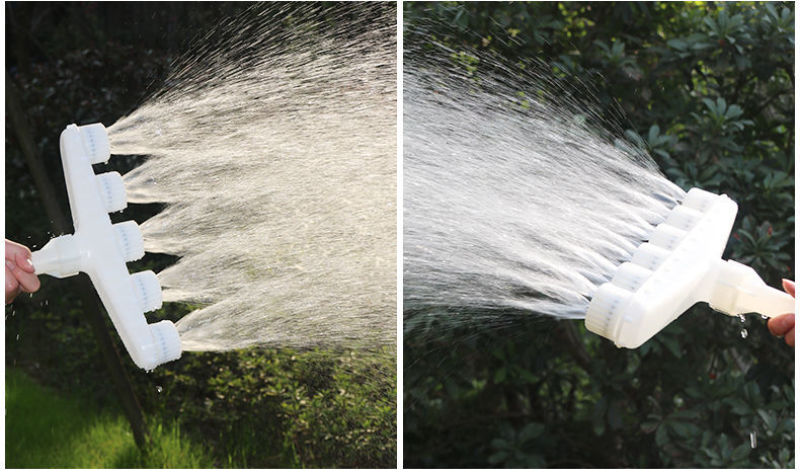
column 680, row 265
column 100, row 249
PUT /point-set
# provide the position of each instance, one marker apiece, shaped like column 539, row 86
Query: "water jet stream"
column 273, row 146
column 516, row 194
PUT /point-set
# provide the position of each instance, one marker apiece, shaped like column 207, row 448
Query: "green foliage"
column 517, row 449
column 250, row 408
column 707, row 89
column 267, row 408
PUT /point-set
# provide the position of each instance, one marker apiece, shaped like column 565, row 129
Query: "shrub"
column 708, row 89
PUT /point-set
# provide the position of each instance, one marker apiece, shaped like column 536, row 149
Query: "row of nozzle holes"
column 124, row 231
column 129, row 239
column 667, row 236
column 147, row 301
column 107, row 181
column 630, row 276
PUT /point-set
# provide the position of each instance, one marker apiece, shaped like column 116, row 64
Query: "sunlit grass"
column 45, row 430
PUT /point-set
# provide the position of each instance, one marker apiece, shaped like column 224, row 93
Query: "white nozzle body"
column 679, row 266
column 739, row 290
column 101, row 249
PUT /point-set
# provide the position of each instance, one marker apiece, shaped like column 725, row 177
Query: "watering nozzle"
column 679, row 266
column 101, row 249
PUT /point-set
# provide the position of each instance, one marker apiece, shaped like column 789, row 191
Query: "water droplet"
column 158, row 388
column 764, row 317
column 17, row 336
column 753, row 442
column 744, row 333
column 741, row 318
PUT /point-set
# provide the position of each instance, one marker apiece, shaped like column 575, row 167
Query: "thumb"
column 23, row 260
column 788, row 286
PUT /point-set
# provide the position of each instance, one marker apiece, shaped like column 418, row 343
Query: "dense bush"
column 267, row 408
column 88, row 62
column 707, row 88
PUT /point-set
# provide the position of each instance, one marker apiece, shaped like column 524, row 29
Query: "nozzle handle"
column 739, row 290
column 769, row 301
column 60, row 257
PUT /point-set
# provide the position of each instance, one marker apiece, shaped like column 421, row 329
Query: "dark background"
column 88, row 62
column 708, row 90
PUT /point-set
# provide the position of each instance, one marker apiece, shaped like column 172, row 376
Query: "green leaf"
column 500, row 375
column 598, row 416
column 499, row 443
column 739, row 407
column 741, row 452
column 768, row 418
column 677, row 44
column 709, row 104
column 498, row 457
column 672, row 345
column 734, row 111
column 662, row 438
column 531, row 431
column 649, row 426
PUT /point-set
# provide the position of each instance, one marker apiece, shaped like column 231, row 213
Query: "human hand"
column 783, row 325
column 20, row 275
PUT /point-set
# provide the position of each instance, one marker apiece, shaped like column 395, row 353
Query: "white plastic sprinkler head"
column 101, row 249
column 679, row 266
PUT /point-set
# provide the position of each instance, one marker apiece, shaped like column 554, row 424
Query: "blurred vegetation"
column 88, row 62
column 708, row 89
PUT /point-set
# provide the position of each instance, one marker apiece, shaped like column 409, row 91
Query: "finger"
column 16, row 249
column 12, row 286
column 790, row 337
column 29, row 282
column 12, row 295
column 788, row 286
column 11, row 281
column 25, row 263
column 20, row 255
column 780, row 325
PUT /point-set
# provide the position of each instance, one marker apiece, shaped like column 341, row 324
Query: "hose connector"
column 738, row 289
column 60, row 257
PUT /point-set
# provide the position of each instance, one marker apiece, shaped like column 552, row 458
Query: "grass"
column 46, row 430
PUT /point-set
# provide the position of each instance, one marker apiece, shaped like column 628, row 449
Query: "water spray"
column 100, row 249
column 678, row 266
column 286, row 238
